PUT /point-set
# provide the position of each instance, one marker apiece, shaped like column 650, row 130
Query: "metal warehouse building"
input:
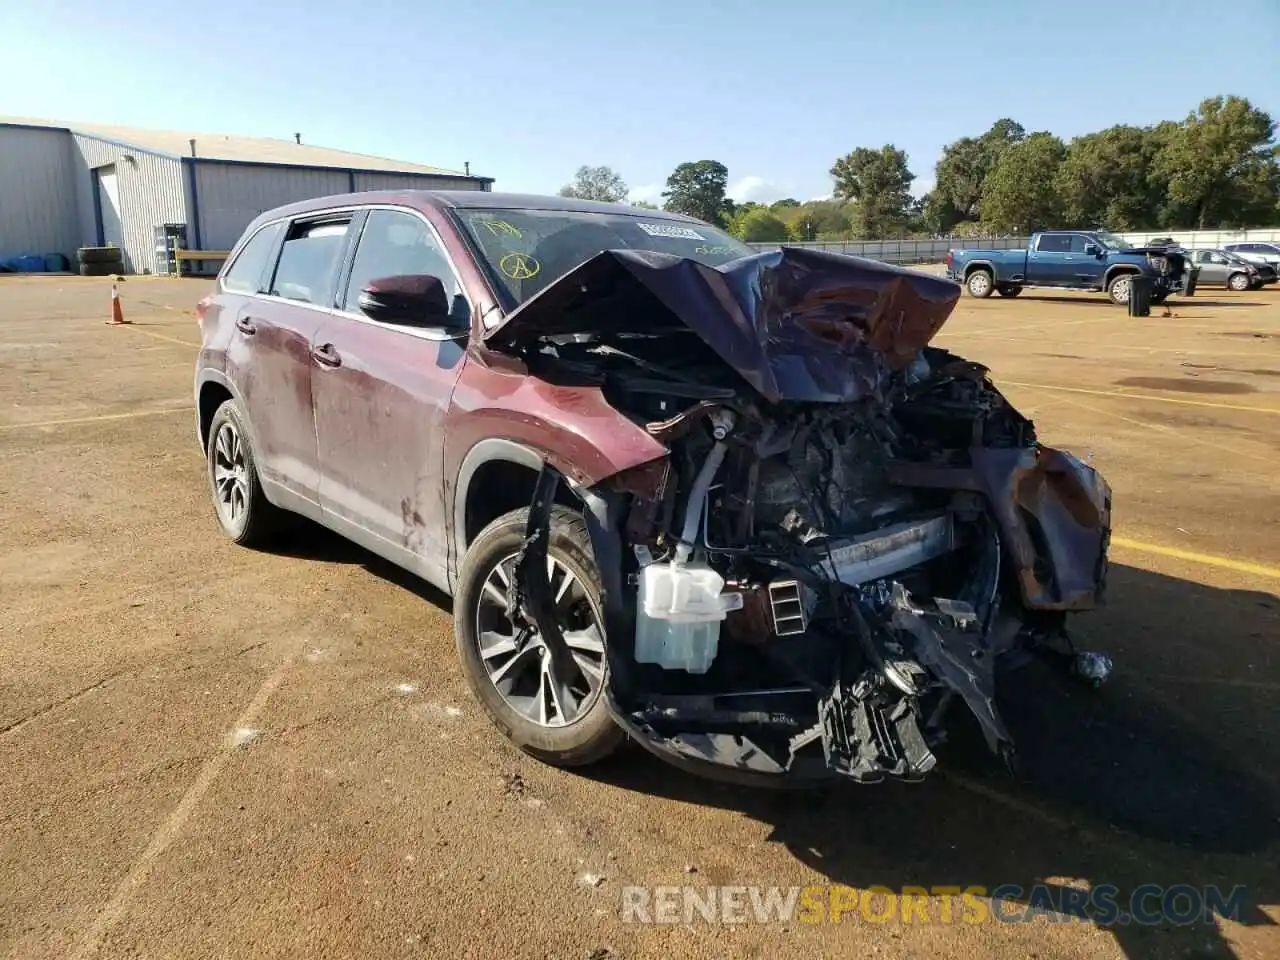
column 63, row 186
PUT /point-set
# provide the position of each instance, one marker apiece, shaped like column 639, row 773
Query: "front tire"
column 242, row 509
column 563, row 721
column 1238, row 282
column 1119, row 289
column 980, row 284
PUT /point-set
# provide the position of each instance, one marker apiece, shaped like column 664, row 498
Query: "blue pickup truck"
column 1070, row 260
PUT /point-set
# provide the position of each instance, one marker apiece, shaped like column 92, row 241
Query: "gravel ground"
column 212, row 752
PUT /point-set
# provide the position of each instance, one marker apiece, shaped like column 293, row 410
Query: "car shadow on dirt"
column 1175, row 302
column 1165, row 776
column 306, row 540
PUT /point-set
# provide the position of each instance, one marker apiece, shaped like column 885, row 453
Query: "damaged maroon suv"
column 729, row 503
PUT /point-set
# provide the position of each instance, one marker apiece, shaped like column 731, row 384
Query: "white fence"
column 935, row 250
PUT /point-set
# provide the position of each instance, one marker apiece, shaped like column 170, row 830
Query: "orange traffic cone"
column 117, row 314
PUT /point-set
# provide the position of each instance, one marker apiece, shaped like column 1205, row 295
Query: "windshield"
column 1112, row 242
column 525, row 250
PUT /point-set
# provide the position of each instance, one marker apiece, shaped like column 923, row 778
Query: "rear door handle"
column 246, row 326
column 326, row 355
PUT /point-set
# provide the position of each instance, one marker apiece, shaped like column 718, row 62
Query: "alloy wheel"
column 230, row 475
column 516, row 657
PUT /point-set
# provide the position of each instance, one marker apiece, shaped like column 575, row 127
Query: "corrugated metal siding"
column 407, row 181
column 151, row 193
column 231, row 195
column 37, row 193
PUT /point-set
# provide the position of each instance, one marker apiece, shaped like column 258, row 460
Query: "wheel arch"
column 975, row 265
column 1116, row 269
column 213, row 388
column 496, row 477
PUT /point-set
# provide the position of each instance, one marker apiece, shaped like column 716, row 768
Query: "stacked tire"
column 100, row 261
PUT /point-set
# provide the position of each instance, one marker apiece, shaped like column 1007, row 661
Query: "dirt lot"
column 208, row 751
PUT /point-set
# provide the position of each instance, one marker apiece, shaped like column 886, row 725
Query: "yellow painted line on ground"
column 1032, row 325
column 1142, row 396
column 100, row 418
column 1185, row 436
column 129, row 885
column 1192, row 556
column 161, row 336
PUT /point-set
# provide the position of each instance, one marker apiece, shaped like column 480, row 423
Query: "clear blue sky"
column 527, row 91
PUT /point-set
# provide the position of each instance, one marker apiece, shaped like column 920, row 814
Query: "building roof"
column 217, row 146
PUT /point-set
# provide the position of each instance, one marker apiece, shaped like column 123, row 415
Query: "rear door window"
column 249, row 271
column 309, row 260
column 1054, row 243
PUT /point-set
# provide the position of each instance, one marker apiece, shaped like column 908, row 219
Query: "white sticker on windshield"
column 671, row 231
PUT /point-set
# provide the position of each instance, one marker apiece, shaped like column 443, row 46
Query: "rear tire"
column 239, row 503
column 585, row 733
column 980, row 284
column 1008, row 290
column 1238, row 282
column 1118, row 289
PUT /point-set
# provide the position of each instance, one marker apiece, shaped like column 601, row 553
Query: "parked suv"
column 729, row 503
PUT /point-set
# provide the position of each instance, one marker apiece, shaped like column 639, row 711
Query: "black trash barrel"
column 1140, row 296
column 1189, row 286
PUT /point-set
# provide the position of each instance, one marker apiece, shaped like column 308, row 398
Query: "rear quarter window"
column 249, row 271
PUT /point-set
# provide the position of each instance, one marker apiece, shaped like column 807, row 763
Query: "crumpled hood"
column 797, row 324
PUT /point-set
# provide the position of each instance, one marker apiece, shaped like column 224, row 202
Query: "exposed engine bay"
column 853, row 534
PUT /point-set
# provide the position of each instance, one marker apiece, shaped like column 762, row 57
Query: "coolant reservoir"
column 678, row 623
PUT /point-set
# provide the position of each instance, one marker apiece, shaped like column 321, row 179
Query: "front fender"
column 574, row 428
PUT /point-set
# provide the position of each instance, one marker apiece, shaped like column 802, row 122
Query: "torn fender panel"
column 797, row 324
column 572, row 427
column 1054, row 514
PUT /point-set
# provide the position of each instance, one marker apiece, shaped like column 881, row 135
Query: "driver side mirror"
column 411, row 300
column 1092, row 249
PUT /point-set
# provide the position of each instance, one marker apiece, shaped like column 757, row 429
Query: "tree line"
column 1218, row 167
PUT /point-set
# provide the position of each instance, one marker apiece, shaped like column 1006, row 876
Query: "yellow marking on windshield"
column 519, row 266
column 500, row 228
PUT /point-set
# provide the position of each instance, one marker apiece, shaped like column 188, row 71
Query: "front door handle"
column 326, row 355
column 246, row 326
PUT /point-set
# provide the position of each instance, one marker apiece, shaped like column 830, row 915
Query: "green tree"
column 758, row 225
column 697, row 189
column 818, row 220
column 1220, row 163
column 938, row 214
column 1018, row 195
column 880, row 183
column 1105, row 180
column 643, row 204
column 784, row 203
column 596, row 183
column 962, row 172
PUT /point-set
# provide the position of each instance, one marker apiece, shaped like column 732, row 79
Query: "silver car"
column 1223, row 268
column 1256, row 252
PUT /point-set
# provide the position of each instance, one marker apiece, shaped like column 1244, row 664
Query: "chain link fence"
column 935, row 250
